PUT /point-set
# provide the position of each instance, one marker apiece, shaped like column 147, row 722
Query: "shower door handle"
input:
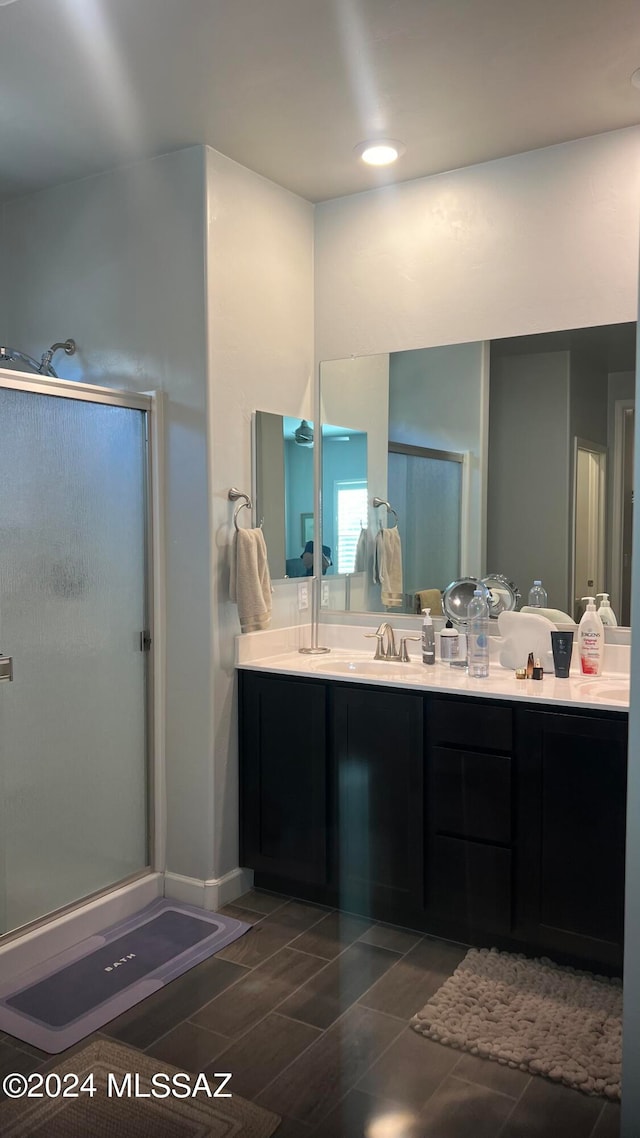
column 6, row 668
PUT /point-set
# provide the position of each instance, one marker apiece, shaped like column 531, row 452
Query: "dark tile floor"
column 309, row 1013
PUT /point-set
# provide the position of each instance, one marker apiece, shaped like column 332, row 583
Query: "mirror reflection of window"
column 351, row 510
column 345, row 508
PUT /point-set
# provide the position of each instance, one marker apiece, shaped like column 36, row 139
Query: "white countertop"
column 277, row 652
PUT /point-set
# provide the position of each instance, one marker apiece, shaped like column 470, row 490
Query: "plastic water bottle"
column 537, row 596
column 478, row 635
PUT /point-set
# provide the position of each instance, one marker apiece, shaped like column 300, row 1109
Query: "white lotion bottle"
column 449, row 643
column 605, row 612
column 428, row 639
column 590, row 640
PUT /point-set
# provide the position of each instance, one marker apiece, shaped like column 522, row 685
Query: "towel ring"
column 377, row 502
column 246, row 503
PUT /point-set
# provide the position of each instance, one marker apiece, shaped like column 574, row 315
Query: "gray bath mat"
column 534, row 1015
column 67, row 997
column 144, row 1114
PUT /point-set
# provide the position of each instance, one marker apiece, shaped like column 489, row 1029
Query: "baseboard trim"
column 211, row 894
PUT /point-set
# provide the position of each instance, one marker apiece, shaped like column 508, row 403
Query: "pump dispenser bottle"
column 449, row 643
column 605, row 612
column 590, row 640
column 428, row 639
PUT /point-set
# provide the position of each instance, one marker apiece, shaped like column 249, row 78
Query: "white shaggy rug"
column 534, row 1015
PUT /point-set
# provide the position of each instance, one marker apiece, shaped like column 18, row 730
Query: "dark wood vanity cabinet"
column 477, row 820
column 284, row 825
column 378, row 800
column 470, row 827
column 572, row 774
column 331, row 793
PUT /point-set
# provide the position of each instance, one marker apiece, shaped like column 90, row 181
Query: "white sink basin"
column 387, row 669
column 614, row 689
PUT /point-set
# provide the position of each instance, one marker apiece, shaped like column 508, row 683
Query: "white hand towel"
column 250, row 583
column 360, row 563
column 388, row 566
column 377, row 558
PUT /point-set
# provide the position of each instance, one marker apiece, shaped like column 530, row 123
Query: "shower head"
column 303, row 436
column 12, row 355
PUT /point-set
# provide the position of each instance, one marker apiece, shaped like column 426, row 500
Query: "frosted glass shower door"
column 73, row 747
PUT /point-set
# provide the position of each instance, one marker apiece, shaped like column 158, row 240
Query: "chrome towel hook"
column 246, row 503
column 377, row 502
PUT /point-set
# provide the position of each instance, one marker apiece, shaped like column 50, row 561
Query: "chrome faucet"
column 390, row 652
column 386, row 644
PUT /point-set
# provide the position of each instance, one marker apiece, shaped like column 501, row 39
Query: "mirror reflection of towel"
column 360, row 563
column 429, row 599
column 250, row 580
column 387, row 567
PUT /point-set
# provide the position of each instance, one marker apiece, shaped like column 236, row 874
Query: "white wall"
column 118, row 262
column 535, row 242
column 260, row 326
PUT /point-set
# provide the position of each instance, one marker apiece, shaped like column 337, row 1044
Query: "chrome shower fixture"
column 12, row 355
column 67, row 346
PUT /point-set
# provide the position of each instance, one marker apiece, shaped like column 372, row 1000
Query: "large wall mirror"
column 510, row 457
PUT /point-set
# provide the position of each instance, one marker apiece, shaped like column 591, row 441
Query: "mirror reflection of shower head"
column 12, row 355
column 304, row 434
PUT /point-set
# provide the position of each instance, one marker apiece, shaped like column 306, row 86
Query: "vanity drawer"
column 471, row 795
column 477, row 724
column 470, row 885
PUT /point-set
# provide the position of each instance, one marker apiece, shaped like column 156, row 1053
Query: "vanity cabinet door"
column 571, row 824
column 378, row 755
column 283, row 777
column 469, row 859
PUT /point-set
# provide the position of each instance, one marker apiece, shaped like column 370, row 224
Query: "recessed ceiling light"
column 635, row 78
column 379, row 151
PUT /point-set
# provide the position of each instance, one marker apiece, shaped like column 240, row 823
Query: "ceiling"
column 288, row 87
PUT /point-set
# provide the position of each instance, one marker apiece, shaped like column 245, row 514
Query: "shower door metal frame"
column 151, row 403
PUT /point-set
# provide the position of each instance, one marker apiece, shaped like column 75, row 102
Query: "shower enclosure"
column 74, row 618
